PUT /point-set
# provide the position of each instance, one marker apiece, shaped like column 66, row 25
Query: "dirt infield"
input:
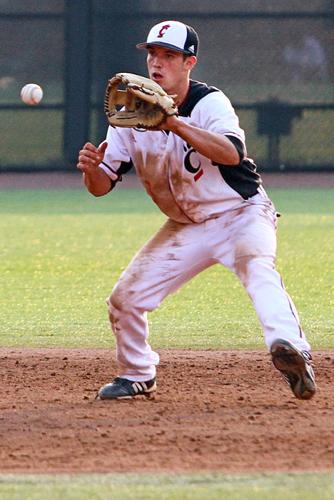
column 226, row 411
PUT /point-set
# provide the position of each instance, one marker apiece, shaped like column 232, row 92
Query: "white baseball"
column 31, row 94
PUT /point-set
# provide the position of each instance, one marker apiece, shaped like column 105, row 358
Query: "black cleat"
column 295, row 366
column 122, row 388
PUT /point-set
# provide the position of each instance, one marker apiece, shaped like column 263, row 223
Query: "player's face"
column 168, row 67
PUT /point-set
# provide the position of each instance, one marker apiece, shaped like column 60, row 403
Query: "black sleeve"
column 124, row 168
column 239, row 146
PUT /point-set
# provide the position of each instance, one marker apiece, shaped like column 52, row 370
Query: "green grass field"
column 169, row 487
column 61, row 253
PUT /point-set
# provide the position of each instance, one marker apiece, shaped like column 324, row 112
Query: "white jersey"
column 217, row 214
column 187, row 186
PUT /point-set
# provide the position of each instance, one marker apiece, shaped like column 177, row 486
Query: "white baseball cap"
column 173, row 35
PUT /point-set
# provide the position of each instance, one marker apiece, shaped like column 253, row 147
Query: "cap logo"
column 163, row 30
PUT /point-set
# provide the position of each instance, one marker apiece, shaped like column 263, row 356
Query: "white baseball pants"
column 243, row 240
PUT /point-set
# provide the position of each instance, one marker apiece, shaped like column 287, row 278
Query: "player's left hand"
column 169, row 123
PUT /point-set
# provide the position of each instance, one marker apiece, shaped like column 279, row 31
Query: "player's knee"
column 247, row 265
column 253, row 270
column 126, row 300
column 121, row 300
column 242, row 268
column 116, row 301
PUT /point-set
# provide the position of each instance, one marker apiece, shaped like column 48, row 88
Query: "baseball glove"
column 134, row 101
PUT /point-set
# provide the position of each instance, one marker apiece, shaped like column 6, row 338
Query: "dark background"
column 274, row 60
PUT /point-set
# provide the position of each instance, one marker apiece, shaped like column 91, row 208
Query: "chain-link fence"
column 274, row 60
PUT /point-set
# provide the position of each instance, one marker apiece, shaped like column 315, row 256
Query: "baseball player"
column 196, row 169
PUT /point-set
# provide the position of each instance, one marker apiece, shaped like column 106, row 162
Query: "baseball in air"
column 31, row 94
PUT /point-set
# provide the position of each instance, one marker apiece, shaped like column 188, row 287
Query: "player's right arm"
column 96, row 180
